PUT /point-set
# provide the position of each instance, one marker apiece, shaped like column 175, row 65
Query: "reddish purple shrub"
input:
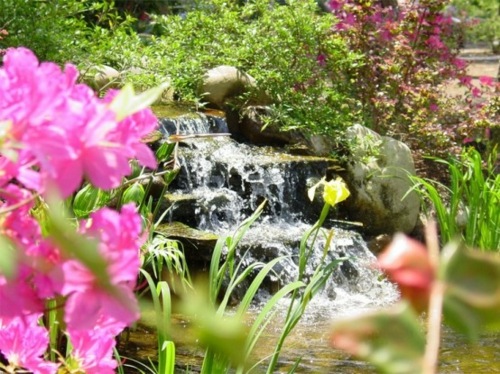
column 410, row 58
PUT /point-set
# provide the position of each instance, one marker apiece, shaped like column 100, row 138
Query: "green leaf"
column 472, row 296
column 8, row 258
column 164, row 152
column 170, row 176
column 133, row 194
column 392, row 340
column 224, row 336
column 89, row 199
column 127, row 102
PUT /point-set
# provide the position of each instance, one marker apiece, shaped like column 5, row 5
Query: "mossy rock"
column 198, row 245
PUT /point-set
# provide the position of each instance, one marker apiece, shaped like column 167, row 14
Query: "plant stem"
column 435, row 304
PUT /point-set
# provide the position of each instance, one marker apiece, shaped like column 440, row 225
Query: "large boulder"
column 225, row 82
column 102, row 77
column 378, row 178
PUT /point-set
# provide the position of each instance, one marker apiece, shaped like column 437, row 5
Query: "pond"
column 310, row 341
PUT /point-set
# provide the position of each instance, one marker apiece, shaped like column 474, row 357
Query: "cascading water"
column 225, row 181
column 221, row 183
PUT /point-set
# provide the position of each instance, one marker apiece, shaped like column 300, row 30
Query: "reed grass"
column 160, row 295
column 469, row 208
column 299, row 293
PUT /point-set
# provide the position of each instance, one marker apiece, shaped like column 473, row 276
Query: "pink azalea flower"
column 120, row 239
column 23, row 343
column 348, row 20
column 386, row 34
column 435, row 42
column 72, row 134
column 466, row 80
column 133, row 128
column 93, row 350
column 321, row 59
column 18, row 297
column 84, row 309
column 459, row 63
column 21, row 170
column 335, row 5
column 31, row 93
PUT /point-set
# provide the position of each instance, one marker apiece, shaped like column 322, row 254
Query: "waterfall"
column 225, row 181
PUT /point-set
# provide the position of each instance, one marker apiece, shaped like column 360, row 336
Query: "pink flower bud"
column 406, row 262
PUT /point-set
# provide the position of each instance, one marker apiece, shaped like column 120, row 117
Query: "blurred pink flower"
column 336, row 4
column 435, row 42
column 321, row 59
column 71, row 133
column 459, row 63
column 407, row 263
column 466, row 80
column 486, row 81
column 18, row 297
column 23, row 343
column 119, row 238
column 476, row 92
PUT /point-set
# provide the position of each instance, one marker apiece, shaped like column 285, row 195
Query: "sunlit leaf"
column 127, row 102
column 224, row 336
column 392, row 340
column 170, row 176
column 164, row 152
column 133, row 194
column 89, row 199
column 472, row 297
column 8, row 258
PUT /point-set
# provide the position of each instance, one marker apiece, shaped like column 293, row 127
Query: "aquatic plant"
column 229, row 343
column 468, row 208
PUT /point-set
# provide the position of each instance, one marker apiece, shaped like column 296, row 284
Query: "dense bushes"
column 84, row 33
column 290, row 50
column 385, row 67
column 481, row 19
column 410, row 59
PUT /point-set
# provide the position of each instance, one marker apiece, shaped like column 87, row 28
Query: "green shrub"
column 482, row 20
column 290, row 51
column 82, row 32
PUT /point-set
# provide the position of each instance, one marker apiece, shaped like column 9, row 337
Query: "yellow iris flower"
column 334, row 191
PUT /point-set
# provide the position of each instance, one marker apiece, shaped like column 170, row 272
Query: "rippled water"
column 310, row 341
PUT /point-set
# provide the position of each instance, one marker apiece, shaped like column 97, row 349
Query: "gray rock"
column 102, row 77
column 378, row 178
